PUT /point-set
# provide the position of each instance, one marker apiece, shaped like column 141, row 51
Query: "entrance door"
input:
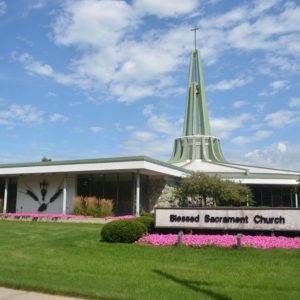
column 12, row 195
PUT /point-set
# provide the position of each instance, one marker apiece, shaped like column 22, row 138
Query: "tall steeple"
column 196, row 142
column 196, row 115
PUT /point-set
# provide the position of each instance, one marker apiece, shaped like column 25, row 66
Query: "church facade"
column 138, row 184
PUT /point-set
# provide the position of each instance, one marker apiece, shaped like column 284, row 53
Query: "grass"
column 69, row 259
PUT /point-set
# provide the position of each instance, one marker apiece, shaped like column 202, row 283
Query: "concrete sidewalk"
column 10, row 294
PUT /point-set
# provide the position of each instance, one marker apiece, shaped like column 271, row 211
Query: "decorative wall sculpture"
column 42, row 199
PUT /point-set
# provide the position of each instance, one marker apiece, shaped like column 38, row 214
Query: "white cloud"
column 148, row 110
column 156, row 147
column 239, row 104
column 160, row 123
column 117, row 55
column 2, row 8
column 34, row 67
column 58, row 118
column 166, row 8
column 157, row 141
column 279, row 85
column 294, row 102
column 257, row 136
column 282, row 118
column 275, row 87
column 260, row 106
column 140, row 70
column 212, row 2
column 18, row 114
column 282, row 147
column 38, row 4
column 287, row 65
column 143, row 135
column 225, row 20
column 35, row 5
column 263, row 6
column 222, row 127
column 228, row 84
column 278, row 155
column 131, row 93
column 51, row 94
column 252, row 28
column 31, row 65
column 96, row 129
column 79, row 19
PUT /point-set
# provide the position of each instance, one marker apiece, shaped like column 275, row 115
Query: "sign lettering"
column 235, row 219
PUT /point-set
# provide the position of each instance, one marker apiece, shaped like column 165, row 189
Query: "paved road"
column 10, row 294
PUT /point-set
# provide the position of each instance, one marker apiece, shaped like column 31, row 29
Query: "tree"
column 46, row 159
column 199, row 189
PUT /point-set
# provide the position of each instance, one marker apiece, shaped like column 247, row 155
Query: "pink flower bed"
column 120, row 217
column 265, row 242
column 62, row 216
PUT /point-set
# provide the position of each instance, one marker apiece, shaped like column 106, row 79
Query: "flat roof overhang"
column 144, row 165
column 267, row 181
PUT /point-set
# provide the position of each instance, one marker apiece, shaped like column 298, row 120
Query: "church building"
column 137, row 184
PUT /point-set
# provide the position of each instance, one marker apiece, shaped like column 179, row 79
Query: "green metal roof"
column 93, row 161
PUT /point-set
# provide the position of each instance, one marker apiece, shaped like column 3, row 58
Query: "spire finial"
column 195, row 35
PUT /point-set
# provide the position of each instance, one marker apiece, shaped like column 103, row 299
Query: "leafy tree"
column 46, row 159
column 199, row 188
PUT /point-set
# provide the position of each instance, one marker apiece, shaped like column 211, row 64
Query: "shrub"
column 148, row 221
column 92, row 206
column 201, row 190
column 1, row 205
column 147, row 215
column 91, row 202
column 106, row 207
column 123, row 231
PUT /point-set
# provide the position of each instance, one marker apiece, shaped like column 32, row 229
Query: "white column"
column 65, row 196
column 137, row 198
column 296, row 200
column 5, row 196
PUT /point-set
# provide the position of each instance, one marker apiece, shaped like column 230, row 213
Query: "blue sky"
column 91, row 79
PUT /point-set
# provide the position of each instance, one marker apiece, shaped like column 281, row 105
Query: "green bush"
column 148, row 221
column 79, row 211
column 123, row 231
column 147, row 215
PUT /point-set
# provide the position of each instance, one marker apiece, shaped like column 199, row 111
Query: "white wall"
column 27, row 204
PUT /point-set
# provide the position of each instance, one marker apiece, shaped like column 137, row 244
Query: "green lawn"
column 69, row 259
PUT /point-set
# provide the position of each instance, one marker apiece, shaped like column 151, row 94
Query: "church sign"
column 283, row 219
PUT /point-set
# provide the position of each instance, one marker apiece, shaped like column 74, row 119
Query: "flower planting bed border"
column 40, row 217
column 197, row 240
column 126, row 217
column 31, row 217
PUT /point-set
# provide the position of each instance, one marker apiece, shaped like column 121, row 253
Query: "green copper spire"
column 196, row 142
column 196, row 115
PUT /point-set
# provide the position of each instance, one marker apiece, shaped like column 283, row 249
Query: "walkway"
column 10, row 294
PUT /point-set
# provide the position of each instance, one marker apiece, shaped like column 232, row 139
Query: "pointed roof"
column 196, row 142
column 196, row 120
